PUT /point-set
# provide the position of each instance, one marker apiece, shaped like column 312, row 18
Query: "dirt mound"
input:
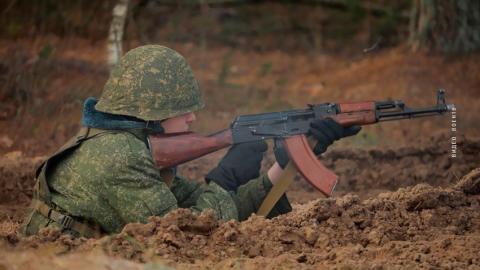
column 16, row 183
column 419, row 226
column 25, row 260
column 415, row 226
column 17, row 178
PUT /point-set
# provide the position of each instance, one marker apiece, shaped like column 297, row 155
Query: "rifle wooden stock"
column 172, row 149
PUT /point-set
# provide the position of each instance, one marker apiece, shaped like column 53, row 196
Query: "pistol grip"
column 309, row 166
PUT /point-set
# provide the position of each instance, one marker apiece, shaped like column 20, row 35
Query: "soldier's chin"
column 180, row 130
column 177, row 130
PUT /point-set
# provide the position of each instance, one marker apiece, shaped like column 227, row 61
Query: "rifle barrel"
column 413, row 113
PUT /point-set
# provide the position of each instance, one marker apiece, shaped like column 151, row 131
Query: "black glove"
column 325, row 131
column 241, row 164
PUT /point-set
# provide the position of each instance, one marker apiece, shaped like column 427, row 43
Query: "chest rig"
column 42, row 197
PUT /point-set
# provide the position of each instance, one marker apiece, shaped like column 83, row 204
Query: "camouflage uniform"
column 110, row 179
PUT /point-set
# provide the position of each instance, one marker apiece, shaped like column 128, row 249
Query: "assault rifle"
column 291, row 128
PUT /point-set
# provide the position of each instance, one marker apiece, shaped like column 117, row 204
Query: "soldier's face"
column 179, row 123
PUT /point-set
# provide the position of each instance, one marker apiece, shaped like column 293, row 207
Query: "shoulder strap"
column 41, row 190
column 41, row 200
column 41, row 183
column 277, row 190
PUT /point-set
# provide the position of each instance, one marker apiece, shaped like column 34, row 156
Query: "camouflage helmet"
column 151, row 82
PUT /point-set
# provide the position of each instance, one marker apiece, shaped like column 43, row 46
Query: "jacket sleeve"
column 186, row 192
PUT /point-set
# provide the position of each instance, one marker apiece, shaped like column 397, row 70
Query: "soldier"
column 105, row 177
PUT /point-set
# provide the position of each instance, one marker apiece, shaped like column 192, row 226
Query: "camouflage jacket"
column 111, row 180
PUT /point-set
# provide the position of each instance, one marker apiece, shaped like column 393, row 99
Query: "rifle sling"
column 281, row 186
column 277, row 190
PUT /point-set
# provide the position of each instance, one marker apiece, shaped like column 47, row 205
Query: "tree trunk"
column 115, row 34
column 445, row 25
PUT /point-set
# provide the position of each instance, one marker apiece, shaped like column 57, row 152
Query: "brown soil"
column 401, row 201
column 413, row 227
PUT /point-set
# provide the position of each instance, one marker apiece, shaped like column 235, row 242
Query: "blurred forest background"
column 249, row 57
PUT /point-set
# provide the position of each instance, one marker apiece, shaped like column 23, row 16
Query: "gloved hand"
column 325, row 131
column 241, row 164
